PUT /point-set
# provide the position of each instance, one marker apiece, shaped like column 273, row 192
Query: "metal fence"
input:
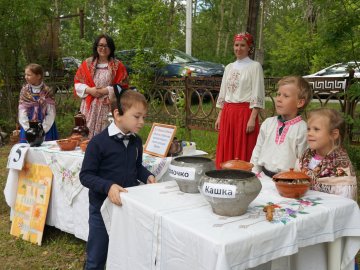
column 190, row 102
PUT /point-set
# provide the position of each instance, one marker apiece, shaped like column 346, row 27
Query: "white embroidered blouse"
column 243, row 81
column 279, row 152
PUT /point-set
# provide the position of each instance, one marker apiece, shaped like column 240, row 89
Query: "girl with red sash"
column 93, row 81
column 241, row 97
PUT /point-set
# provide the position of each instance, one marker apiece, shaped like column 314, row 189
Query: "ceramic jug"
column 80, row 125
column 35, row 135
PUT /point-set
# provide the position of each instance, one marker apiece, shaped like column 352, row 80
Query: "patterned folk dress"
column 92, row 74
column 332, row 174
column 37, row 103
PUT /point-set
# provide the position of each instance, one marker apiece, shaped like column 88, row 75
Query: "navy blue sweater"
column 108, row 161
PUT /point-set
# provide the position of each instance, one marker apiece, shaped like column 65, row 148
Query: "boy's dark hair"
column 305, row 90
column 36, row 69
column 110, row 44
column 127, row 99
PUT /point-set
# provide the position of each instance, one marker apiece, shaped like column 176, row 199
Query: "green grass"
column 59, row 250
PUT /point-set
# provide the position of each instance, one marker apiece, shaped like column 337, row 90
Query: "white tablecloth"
column 69, row 206
column 158, row 223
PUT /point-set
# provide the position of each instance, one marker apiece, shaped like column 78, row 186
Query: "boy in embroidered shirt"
column 282, row 138
column 112, row 162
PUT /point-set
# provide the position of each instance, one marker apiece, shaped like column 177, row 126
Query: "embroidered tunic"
column 243, row 81
column 333, row 174
column 279, row 152
column 242, row 89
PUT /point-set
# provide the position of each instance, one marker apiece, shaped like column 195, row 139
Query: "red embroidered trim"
column 279, row 139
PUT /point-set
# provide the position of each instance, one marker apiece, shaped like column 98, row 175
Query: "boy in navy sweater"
column 112, row 162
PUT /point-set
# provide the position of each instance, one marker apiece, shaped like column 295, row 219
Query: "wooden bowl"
column 237, row 164
column 83, row 145
column 67, row 144
column 292, row 184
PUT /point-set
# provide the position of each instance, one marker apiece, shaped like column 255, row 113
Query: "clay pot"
column 229, row 192
column 175, row 148
column 187, row 172
column 80, row 125
column 83, row 145
column 237, row 164
column 67, row 144
column 35, row 135
column 292, row 184
column 76, row 137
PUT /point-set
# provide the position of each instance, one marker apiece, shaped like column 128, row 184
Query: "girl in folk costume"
column 326, row 161
column 241, row 97
column 93, row 81
column 37, row 103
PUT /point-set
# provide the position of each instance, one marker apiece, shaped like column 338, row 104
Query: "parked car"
column 337, row 70
column 69, row 65
column 174, row 64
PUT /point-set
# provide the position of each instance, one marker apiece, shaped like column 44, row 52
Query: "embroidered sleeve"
column 221, row 98
column 258, row 89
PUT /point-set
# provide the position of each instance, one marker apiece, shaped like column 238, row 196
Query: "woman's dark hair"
column 110, row 44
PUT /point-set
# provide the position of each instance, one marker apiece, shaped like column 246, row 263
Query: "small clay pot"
column 292, row 184
column 83, row 145
column 67, row 144
column 237, row 164
column 76, row 137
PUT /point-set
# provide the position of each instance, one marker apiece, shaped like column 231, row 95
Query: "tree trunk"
column 221, row 8
column 252, row 19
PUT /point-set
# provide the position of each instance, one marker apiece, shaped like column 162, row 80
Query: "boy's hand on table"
column 151, row 179
column 114, row 194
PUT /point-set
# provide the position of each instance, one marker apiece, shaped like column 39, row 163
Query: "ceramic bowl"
column 292, row 184
column 237, row 164
column 83, row 145
column 67, row 144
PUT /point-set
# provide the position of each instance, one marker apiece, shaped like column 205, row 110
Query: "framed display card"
column 159, row 139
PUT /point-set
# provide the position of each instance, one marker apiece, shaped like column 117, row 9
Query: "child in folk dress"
column 37, row 103
column 282, row 138
column 326, row 161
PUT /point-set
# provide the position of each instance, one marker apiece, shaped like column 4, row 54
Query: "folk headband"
column 244, row 36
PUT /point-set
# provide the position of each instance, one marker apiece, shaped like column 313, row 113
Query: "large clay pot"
column 35, row 135
column 80, row 125
column 229, row 192
column 292, row 184
column 187, row 172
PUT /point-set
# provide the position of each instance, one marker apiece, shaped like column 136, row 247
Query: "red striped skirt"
column 233, row 142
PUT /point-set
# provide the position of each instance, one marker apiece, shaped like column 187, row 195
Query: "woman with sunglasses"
column 93, row 81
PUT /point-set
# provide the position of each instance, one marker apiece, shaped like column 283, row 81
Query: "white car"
column 336, row 70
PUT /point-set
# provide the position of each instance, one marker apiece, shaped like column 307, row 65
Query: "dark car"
column 173, row 64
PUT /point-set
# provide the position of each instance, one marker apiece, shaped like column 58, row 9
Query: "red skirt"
column 233, row 142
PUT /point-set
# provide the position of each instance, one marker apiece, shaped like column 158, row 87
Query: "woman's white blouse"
column 243, row 81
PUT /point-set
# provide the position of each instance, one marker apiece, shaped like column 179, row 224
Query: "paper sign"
column 32, row 200
column 184, row 173
column 17, row 156
column 219, row 190
column 159, row 140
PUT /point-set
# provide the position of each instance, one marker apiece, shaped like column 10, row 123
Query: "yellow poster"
column 32, row 201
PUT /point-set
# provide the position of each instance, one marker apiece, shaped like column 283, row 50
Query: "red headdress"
column 244, row 36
